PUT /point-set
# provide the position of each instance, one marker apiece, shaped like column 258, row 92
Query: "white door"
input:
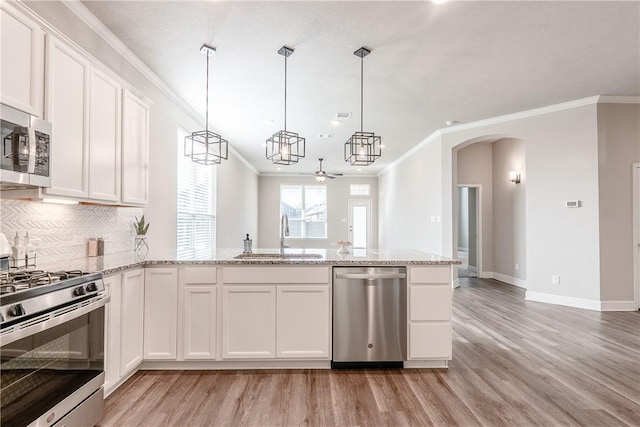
column 360, row 223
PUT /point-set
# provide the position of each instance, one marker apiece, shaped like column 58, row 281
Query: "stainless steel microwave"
column 26, row 150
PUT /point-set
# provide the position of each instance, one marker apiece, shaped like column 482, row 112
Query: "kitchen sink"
column 277, row 256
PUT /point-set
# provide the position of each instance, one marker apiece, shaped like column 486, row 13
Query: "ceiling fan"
column 321, row 175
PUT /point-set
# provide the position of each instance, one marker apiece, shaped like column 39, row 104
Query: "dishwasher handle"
column 371, row 276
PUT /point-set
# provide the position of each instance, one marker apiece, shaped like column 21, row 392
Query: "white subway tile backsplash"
column 63, row 230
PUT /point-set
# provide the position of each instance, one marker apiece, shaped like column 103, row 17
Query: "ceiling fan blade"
column 330, row 176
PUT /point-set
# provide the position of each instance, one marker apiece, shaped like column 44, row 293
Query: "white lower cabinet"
column 276, row 313
column 112, row 285
column 197, row 313
column 123, row 326
column 249, row 322
column 160, row 313
column 303, row 321
column 132, row 320
column 429, row 316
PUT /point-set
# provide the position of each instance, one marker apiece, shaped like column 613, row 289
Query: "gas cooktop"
column 18, row 280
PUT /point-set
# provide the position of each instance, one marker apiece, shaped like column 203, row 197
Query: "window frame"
column 302, row 219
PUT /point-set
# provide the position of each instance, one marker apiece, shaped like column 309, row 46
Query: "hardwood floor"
column 515, row 363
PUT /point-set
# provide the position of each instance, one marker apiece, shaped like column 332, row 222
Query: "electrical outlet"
column 555, row 280
column 517, row 267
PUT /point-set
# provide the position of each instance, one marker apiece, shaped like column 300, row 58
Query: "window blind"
column 196, row 207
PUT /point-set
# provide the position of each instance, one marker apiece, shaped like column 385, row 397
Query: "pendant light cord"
column 361, row 93
column 285, row 92
column 206, row 115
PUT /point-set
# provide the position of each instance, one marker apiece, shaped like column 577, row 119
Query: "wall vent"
column 343, row 116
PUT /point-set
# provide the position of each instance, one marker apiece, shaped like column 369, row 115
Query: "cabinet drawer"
column 429, row 302
column 195, row 275
column 430, row 274
column 430, row 340
column 276, row 275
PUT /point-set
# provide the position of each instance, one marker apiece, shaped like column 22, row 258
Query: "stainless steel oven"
column 52, row 353
column 25, row 143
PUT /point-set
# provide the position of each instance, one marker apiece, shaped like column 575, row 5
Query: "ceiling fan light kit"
column 285, row 147
column 206, row 147
column 362, row 148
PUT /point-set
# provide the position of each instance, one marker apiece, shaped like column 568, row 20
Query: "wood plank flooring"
column 515, row 363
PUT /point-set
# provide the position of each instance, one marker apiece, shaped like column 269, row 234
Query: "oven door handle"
column 50, row 319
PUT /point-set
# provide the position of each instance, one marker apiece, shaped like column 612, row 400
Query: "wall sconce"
column 514, row 176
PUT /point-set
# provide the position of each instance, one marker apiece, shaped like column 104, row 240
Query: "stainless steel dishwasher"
column 369, row 317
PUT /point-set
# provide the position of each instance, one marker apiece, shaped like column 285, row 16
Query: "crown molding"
column 592, row 100
column 431, row 138
column 108, row 36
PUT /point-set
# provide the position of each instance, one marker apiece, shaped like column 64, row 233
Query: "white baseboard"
column 456, row 283
column 510, row 280
column 618, row 306
column 588, row 304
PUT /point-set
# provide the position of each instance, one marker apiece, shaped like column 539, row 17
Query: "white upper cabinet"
column 135, row 150
column 21, row 61
column 104, row 137
column 67, row 96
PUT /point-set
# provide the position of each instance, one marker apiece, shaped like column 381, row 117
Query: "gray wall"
column 337, row 210
column 165, row 118
column 509, row 224
column 561, row 164
column 411, row 201
column 619, row 148
column 237, row 205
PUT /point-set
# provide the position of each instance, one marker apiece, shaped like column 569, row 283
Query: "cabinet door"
column 249, row 322
column 65, row 109
column 131, row 317
column 303, row 321
column 430, row 340
column 21, row 61
column 160, row 313
column 104, row 137
column 112, row 286
column 199, row 327
column 429, row 302
column 135, row 150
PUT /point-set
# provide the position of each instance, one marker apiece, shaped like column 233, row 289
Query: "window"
column 359, row 189
column 306, row 206
column 196, row 210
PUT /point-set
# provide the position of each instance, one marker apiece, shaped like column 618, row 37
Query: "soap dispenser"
column 247, row 245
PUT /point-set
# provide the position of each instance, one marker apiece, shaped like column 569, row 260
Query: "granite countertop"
column 112, row 263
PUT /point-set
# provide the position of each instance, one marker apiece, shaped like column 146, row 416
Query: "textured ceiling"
column 462, row 61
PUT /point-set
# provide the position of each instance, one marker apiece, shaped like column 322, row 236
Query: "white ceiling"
column 462, row 61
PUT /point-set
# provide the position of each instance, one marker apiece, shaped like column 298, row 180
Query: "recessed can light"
column 335, row 122
column 450, row 122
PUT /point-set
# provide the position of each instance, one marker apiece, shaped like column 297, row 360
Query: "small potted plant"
column 141, row 246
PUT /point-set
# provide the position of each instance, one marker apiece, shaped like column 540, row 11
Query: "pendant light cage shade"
column 362, row 149
column 206, row 147
column 285, row 148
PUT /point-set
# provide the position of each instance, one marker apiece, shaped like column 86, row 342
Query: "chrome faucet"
column 284, row 231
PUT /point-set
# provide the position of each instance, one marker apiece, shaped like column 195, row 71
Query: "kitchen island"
column 256, row 311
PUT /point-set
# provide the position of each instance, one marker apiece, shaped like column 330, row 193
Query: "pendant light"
column 285, row 147
column 363, row 148
column 206, row 147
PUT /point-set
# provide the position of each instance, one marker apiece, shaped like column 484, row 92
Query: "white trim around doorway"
column 636, row 235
